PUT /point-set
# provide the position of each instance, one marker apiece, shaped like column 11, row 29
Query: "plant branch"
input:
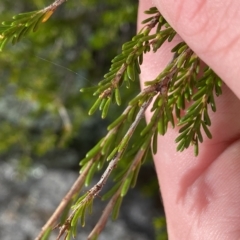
column 74, row 190
column 108, row 209
column 54, row 5
column 95, row 190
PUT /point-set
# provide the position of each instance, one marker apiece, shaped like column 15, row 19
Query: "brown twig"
column 74, row 190
column 95, row 190
column 108, row 209
column 54, row 5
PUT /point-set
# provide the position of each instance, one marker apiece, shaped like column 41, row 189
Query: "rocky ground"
column 26, row 204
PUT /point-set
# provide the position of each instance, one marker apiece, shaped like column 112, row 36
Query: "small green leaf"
column 181, row 146
column 128, row 45
column 146, row 154
column 137, row 37
column 90, row 174
column 140, row 59
column 188, row 139
column 103, row 102
column 151, row 10
column 186, row 119
column 101, row 162
column 135, row 100
column 199, row 93
column 182, row 135
column 127, row 52
column 117, row 64
column 211, row 100
column 161, row 125
column 95, row 236
column 101, row 89
column 137, row 67
column 46, row 234
column 95, row 106
column 126, row 185
column 218, row 90
column 69, row 235
column 147, row 20
column 219, row 82
column 106, row 108
column 206, row 117
column 123, row 143
column 80, row 199
column 3, row 43
column 84, row 161
column 147, row 129
column 109, row 140
column 83, row 215
column 38, row 22
column 132, row 114
column 116, row 208
column 117, row 122
column 112, row 154
column 181, row 60
column 199, row 135
column 7, row 23
column 181, row 102
column 135, row 175
column 178, row 47
column 77, row 216
column 25, row 15
column 154, row 142
column 177, row 113
column 94, row 150
column 147, row 142
column 169, row 116
column 89, row 89
column 32, row 20
column 131, row 72
column 14, row 40
column 188, row 125
column 21, row 34
column 111, row 74
column 206, row 130
column 171, row 36
column 111, row 192
column 126, row 80
column 90, row 206
column 156, row 45
column 66, row 211
column 194, row 112
column 117, row 96
column 118, row 58
column 182, row 48
column 194, row 105
column 196, row 148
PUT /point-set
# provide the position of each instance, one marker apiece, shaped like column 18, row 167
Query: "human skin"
column 201, row 195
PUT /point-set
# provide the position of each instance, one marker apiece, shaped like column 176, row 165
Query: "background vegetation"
column 41, row 75
column 42, row 111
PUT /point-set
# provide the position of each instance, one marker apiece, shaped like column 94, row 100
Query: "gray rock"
column 26, row 205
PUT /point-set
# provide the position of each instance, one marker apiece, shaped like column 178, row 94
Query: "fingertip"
column 211, row 29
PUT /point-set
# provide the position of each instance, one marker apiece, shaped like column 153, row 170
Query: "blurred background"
column 44, row 126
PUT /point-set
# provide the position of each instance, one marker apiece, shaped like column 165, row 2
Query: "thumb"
column 212, row 29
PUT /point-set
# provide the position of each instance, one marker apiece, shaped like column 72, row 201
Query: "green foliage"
column 21, row 25
column 177, row 84
column 127, row 140
column 68, row 61
column 160, row 228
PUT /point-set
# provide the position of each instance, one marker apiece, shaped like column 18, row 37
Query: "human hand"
column 201, row 195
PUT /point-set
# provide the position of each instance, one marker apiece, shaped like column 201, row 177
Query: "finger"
column 211, row 29
column 200, row 194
